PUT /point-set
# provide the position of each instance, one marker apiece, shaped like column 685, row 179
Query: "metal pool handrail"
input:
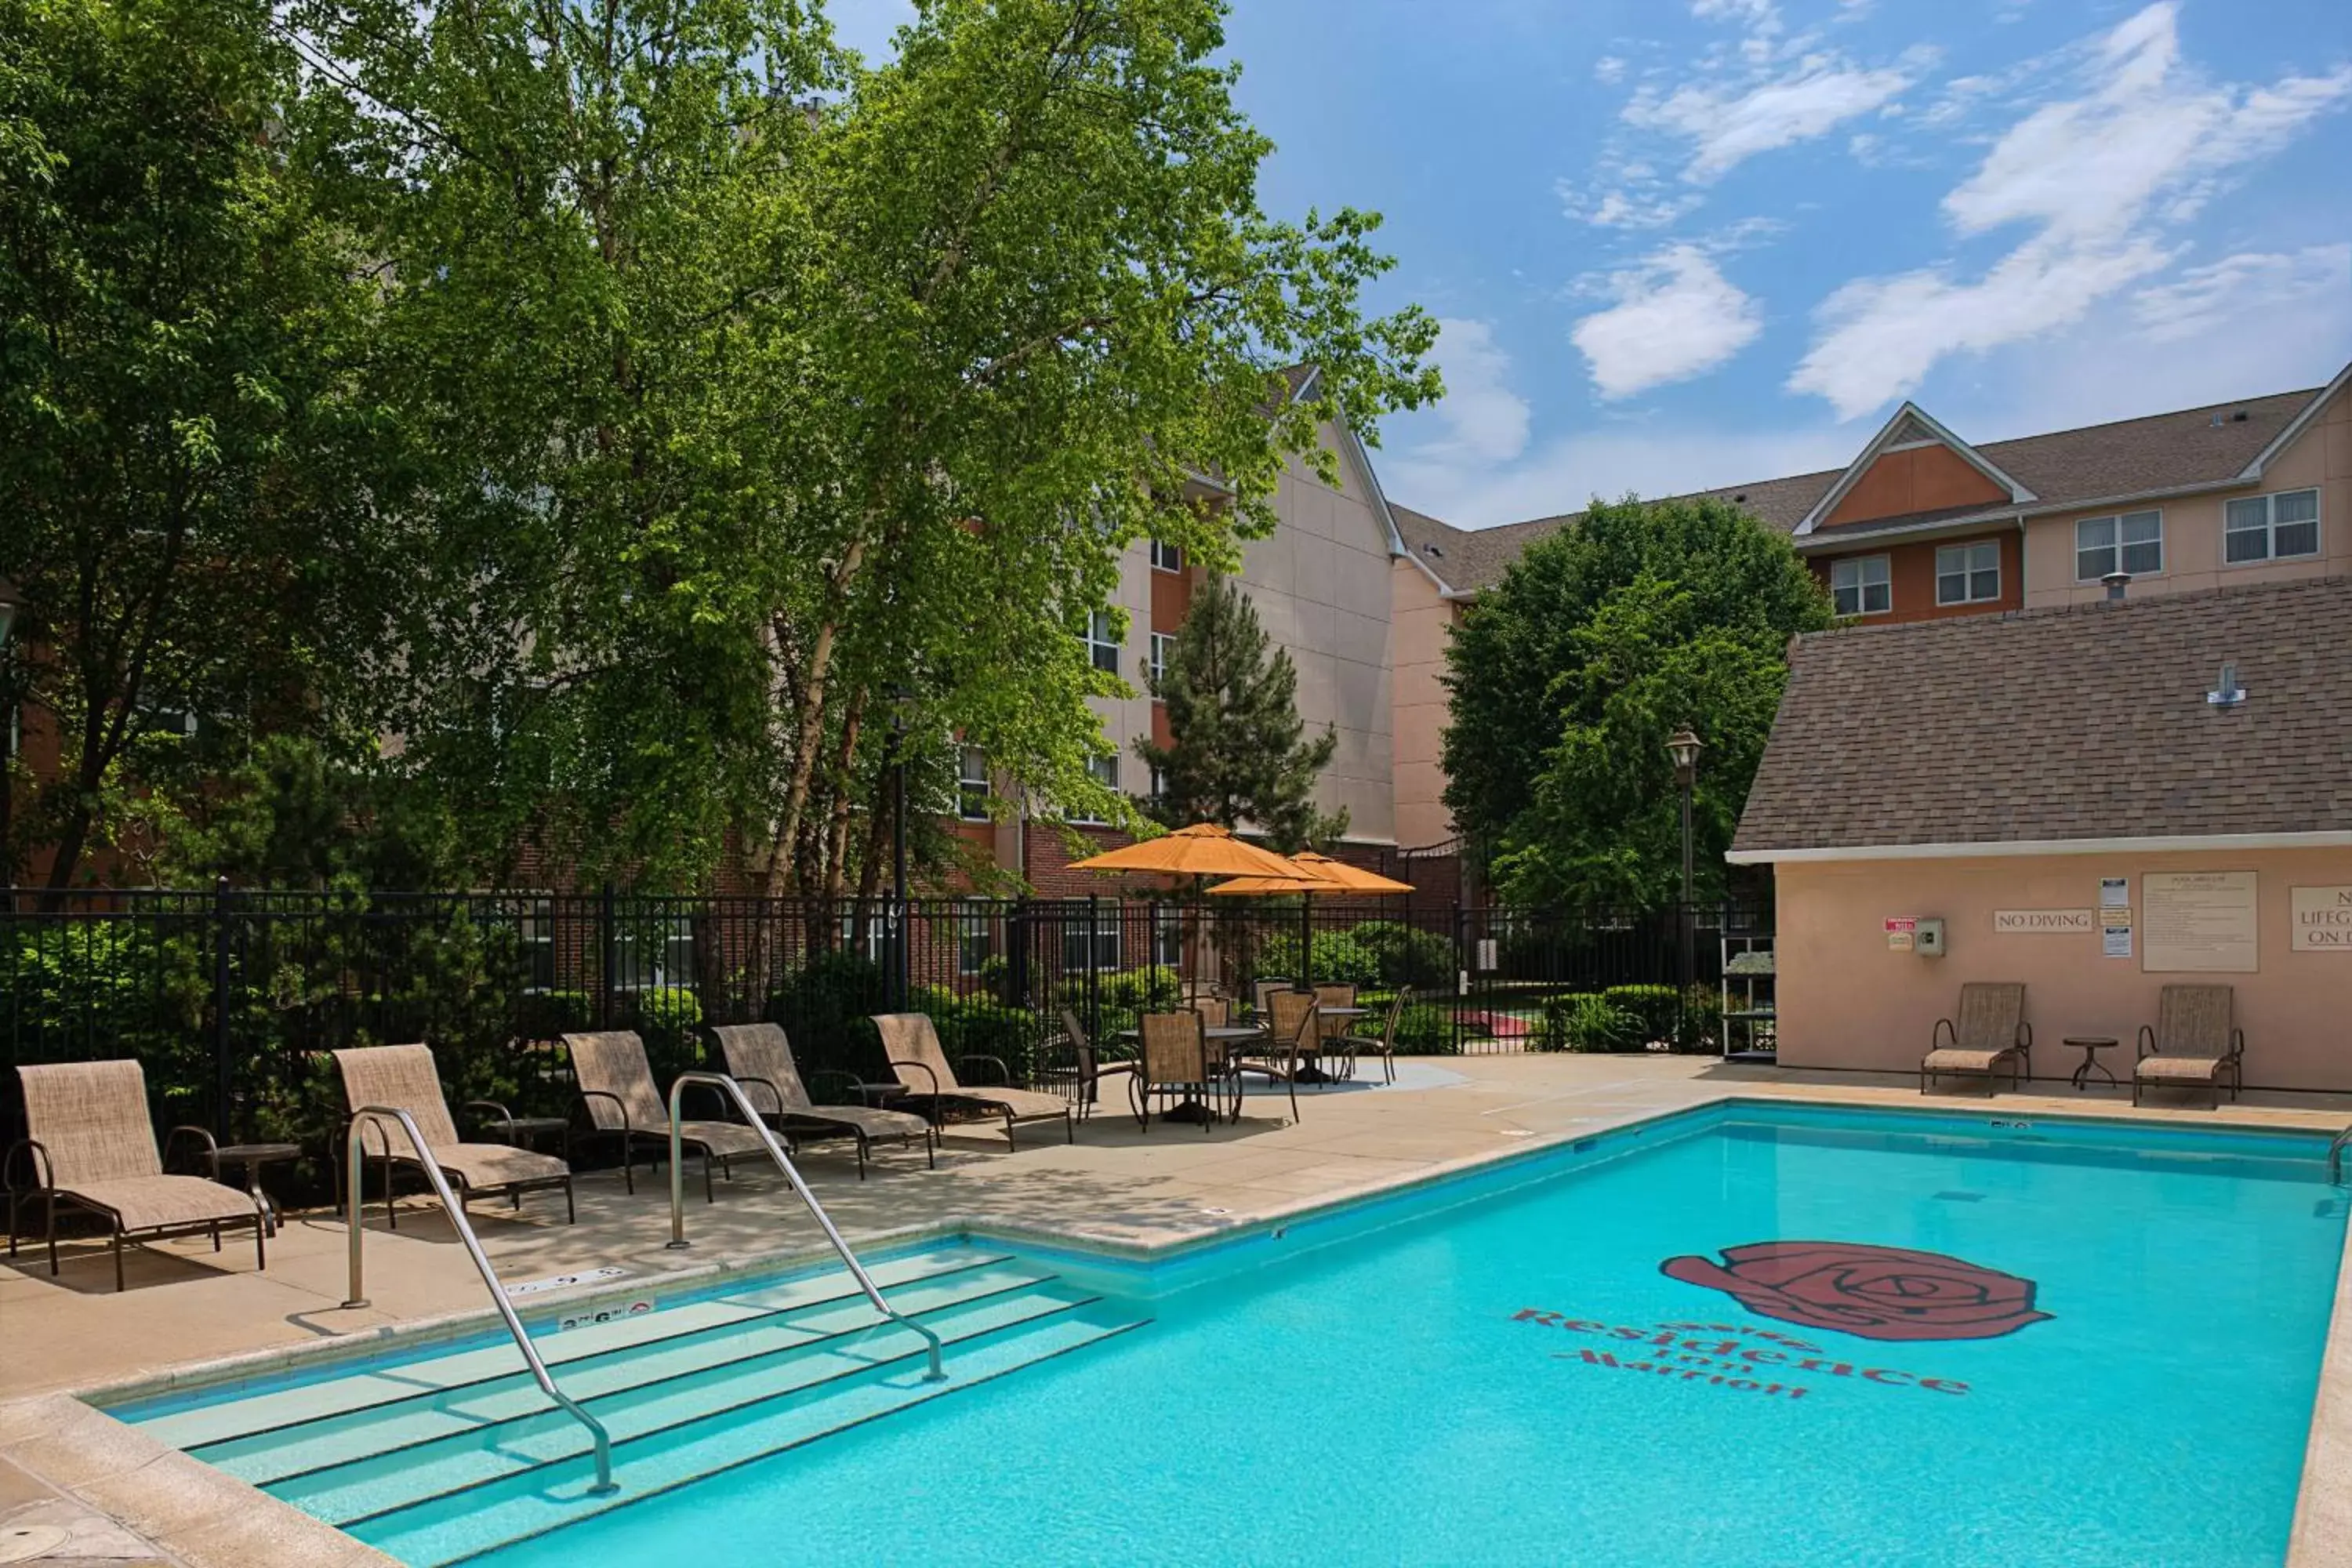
column 2336, row 1148
column 353, row 1142
column 734, row 1091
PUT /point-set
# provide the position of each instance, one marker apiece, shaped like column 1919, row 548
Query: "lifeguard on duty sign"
column 2323, row 920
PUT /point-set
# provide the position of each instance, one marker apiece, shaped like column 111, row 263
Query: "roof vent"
column 1433, row 550
column 2217, row 421
column 1740, row 497
column 2227, row 692
column 2117, row 583
column 2239, row 417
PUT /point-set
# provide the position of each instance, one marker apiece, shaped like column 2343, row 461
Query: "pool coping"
column 200, row 1517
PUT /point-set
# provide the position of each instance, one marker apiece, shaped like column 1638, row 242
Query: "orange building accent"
column 1911, row 576
column 1172, row 599
column 1917, row 478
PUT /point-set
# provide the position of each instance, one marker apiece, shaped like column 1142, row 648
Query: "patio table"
column 1221, row 1039
column 1313, row 1071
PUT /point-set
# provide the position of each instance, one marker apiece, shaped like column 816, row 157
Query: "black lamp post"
column 901, row 698
column 1683, row 746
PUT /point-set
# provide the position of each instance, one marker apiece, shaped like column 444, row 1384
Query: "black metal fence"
column 230, row 997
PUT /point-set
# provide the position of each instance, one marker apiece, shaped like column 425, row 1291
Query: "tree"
column 1568, row 677
column 1236, row 753
column 177, row 430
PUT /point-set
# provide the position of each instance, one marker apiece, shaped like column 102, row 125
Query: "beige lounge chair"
column 404, row 1077
column 1992, row 1030
column 760, row 1058
column 913, row 1046
column 91, row 1145
column 617, row 1084
column 2194, row 1041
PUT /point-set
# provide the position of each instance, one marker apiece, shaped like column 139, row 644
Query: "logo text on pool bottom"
column 1737, row 1359
column 1873, row 1292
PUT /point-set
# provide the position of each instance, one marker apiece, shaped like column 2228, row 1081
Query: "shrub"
column 979, row 1025
column 1583, row 1021
column 1406, row 955
column 1701, row 1029
column 1339, row 959
column 1424, row 1030
column 1653, row 1012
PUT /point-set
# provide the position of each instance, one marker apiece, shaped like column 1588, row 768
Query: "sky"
column 1679, row 243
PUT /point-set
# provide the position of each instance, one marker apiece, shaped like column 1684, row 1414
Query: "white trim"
column 2296, row 425
column 2271, row 557
column 2154, row 844
column 1883, row 442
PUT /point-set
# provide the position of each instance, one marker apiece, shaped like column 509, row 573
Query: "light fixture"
column 1684, row 746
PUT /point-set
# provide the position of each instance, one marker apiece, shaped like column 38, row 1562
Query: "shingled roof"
column 2182, row 449
column 2087, row 722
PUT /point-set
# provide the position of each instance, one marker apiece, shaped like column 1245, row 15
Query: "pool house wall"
column 1847, row 1000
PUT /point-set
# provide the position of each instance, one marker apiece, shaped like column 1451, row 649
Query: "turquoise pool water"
column 2091, row 1346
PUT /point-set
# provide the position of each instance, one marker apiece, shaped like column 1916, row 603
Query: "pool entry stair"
column 438, row 1460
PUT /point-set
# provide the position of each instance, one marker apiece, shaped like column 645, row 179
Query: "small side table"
column 2090, row 1045
column 254, row 1158
column 523, row 1132
column 882, row 1094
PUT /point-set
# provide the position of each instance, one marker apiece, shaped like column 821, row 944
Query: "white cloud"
column 1727, row 126
column 1608, row 69
column 1624, row 208
column 1675, row 316
column 2098, row 177
column 1759, row 16
column 1484, row 421
column 2209, row 297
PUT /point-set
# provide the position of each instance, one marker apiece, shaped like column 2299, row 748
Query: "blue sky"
column 1683, row 243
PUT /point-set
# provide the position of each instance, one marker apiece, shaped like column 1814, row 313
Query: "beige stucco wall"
column 2321, row 456
column 1421, row 624
column 1847, row 1001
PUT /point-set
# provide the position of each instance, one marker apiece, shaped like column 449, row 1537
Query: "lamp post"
column 901, row 698
column 1683, row 746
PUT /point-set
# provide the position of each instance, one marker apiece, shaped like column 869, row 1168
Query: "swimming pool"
column 1746, row 1335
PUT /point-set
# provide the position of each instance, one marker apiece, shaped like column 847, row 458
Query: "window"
column 2271, row 527
column 973, row 943
column 1075, row 956
column 1164, row 649
column 536, row 928
column 1968, row 573
column 1166, row 557
column 1862, row 585
column 1102, row 641
column 871, row 942
column 2132, row 542
column 1167, row 937
column 972, row 783
column 657, row 956
column 1104, row 770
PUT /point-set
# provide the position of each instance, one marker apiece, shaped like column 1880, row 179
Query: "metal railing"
column 734, row 1091
column 355, row 1143
column 2336, row 1147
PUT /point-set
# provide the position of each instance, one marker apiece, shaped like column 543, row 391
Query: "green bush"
column 1653, row 1010
column 1406, row 955
column 1425, row 1030
column 1584, row 1021
column 824, row 1007
column 979, row 1025
column 1339, row 959
column 1701, row 1029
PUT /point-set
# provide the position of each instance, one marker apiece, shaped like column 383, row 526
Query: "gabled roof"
column 1895, row 740
column 2296, row 427
column 1911, row 427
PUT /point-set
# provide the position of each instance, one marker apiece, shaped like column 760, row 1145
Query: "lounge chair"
column 403, row 1078
column 1382, row 1045
column 2194, row 1041
column 617, row 1085
column 1074, row 1064
column 760, row 1058
column 91, row 1145
column 913, row 1046
column 1291, row 1037
column 1174, row 1061
column 1992, row 1030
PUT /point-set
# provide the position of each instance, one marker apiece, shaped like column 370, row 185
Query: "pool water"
column 2092, row 1346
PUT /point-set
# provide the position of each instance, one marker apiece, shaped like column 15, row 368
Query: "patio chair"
column 1291, row 1037
column 617, row 1086
column 1992, row 1030
column 2194, row 1041
column 1383, row 1045
column 912, row 1045
column 1332, row 1032
column 1073, row 1062
column 1263, row 993
column 1215, row 1012
column 1175, row 1060
column 404, row 1077
column 89, row 1144
column 760, row 1058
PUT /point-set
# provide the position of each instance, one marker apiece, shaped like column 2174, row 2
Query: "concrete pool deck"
column 188, row 1308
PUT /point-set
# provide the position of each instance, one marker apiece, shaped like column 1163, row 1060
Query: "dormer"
column 1913, row 468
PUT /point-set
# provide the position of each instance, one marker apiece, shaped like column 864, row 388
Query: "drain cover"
column 27, row 1542
column 1961, row 1198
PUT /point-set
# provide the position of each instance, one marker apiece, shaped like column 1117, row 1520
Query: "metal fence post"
column 1016, row 957
column 224, row 1074
column 607, row 944
column 1093, row 971
column 1460, row 975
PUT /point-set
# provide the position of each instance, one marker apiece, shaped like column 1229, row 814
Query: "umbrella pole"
column 1307, row 941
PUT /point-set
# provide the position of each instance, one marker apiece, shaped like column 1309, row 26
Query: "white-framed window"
column 1164, row 649
column 972, row 783
column 975, row 941
column 2132, row 542
column 1102, row 641
column 535, row 929
column 1104, row 770
column 1167, row 937
column 1075, row 958
column 1968, row 573
column 1862, row 585
column 2279, row 527
column 1166, row 557
column 868, row 943
column 657, row 955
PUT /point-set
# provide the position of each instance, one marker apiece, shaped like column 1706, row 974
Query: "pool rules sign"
column 2323, row 920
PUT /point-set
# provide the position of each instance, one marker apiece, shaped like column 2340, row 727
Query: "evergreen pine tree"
column 1236, row 755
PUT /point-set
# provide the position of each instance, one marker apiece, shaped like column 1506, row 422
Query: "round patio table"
column 1223, row 1037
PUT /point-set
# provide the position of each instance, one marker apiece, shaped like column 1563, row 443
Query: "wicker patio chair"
column 1291, row 1039
column 2194, row 1041
column 1992, row 1030
column 1076, row 1065
column 89, row 1144
column 1175, row 1060
column 1332, row 1033
column 913, row 1046
column 760, row 1058
column 617, row 1085
column 404, row 1077
column 1262, row 995
column 1215, row 1012
column 1382, row 1045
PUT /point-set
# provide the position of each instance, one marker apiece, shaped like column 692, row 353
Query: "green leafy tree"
column 1568, row 676
column 1237, row 753
column 178, row 434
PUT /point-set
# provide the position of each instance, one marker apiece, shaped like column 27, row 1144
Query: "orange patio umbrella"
column 1324, row 875
column 1200, row 851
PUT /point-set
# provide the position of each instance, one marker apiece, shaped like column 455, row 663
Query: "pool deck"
column 112, row 1492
